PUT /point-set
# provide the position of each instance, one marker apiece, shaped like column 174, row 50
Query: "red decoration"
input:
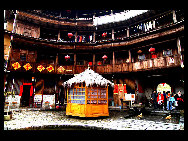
column 67, row 57
column 27, row 66
column 99, row 63
column 125, row 89
column 104, row 34
column 152, row 49
column 116, row 89
column 80, row 38
column 27, row 83
column 104, row 57
column 50, row 68
column 60, row 69
column 140, row 89
column 16, row 65
column 70, row 35
column 31, row 91
column 153, row 56
column 21, row 90
column 163, row 83
column 40, row 68
column 90, row 63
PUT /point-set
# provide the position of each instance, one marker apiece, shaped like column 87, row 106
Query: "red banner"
column 116, row 89
column 21, row 90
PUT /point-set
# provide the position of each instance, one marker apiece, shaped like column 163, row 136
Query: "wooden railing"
column 160, row 62
column 148, row 64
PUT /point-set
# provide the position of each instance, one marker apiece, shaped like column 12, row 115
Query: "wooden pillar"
column 153, row 23
column 179, row 52
column 58, row 36
column 179, row 46
column 76, row 34
column 113, row 34
column 127, row 31
column 130, row 56
column 93, row 36
column 174, row 16
column 74, row 63
column 56, row 62
column 113, row 62
column 94, row 62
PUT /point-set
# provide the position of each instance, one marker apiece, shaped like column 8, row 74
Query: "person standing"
column 171, row 101
column 165, row 100
column 180, row 100
column 154, row 99
column 160, row 100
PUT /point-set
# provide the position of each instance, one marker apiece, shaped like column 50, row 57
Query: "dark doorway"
column 25, row 95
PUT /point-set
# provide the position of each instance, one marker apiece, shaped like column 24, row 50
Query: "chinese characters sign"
column 40, row 68
column 50, row 68
column 27, row 66
column 16, row 65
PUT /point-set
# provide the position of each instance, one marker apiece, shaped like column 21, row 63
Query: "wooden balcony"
column 160, row 62
column 148, row 64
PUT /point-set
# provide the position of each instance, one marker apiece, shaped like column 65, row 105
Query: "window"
column 96, row 96
column 141, row 57
column 23, row 57
column 167, row 52
column 77, row 95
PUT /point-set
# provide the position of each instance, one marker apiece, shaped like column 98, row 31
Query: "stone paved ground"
column 26, row 119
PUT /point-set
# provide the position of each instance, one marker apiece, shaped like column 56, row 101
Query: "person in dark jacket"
column 165, row 100
column 154, row 99
column 180, row 100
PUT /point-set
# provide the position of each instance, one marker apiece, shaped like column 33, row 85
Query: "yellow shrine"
column 87, row 95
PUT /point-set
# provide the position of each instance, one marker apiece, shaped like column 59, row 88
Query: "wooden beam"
column 113, row 62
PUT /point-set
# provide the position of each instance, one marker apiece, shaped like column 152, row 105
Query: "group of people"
column 167, row 100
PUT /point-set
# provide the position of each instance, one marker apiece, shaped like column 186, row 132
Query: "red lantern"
column 152, row 49
column 68, row 11
column 90, row 63
column 104, row 57
column 104, row 34
column 67, row 57
column 70, row 35
column 99, row 63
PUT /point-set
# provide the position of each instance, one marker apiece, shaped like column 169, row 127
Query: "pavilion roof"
column 89, row 77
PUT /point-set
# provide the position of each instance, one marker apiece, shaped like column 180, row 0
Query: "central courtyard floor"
column 117, row 120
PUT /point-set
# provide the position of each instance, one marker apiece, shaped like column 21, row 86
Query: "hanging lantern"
column 104, row 34
column 99, row 63
column 67, row 57
column 152, row 50
column 68, row 11
column 104, row 57
column 70, row 35
column 90, row 63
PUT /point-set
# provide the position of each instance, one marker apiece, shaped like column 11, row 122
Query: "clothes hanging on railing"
column 144, row 27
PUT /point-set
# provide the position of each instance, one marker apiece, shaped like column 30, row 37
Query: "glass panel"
column 103, row 93
column 93, row 101
column 102, row 101
column 75, row 91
